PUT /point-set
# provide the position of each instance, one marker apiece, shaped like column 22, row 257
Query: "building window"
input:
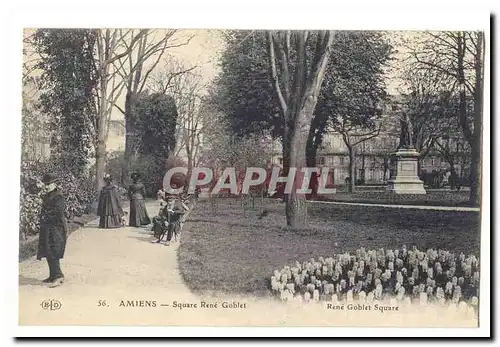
column 331, row 161
column 281, row 161
column 320, row 161
column 433, row 161
column 341, row 159
column 371, row 174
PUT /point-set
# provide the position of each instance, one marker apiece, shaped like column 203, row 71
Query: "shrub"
column 79, row 194
column 404, row 275
column 30, row 203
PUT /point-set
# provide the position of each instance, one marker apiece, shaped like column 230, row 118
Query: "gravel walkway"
column 104, row 264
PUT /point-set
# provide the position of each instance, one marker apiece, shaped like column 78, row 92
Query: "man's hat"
column 49, row 178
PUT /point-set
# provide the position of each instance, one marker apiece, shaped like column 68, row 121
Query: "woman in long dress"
column 110, row 208
column 138, row 213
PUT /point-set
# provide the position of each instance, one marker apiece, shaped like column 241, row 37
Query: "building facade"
column 372, row 159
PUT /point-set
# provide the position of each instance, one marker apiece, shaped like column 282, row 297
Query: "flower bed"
column 402, row 275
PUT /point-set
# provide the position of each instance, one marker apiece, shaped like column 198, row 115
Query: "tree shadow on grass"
column 245, row 225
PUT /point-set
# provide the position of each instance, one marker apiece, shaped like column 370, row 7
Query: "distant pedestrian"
column 138, row 213
column 53, row 230
column 110, row 209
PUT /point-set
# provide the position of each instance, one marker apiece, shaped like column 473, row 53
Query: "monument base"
column 404, row 177
column 406, row 187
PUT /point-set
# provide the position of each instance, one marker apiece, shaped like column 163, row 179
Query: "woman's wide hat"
column 49, row 178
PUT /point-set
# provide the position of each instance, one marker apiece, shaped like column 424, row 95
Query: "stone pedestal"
column 404, row 173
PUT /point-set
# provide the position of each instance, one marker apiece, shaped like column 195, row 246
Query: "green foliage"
column 353, row 91
column 153, row 122
column 114, row 165
column 226, row 150
column 353, row 87
column 243, row 89
column 78, row 192
column 35, row 125
column 68, row 85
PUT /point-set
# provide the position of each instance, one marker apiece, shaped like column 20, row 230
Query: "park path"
column 109, row 265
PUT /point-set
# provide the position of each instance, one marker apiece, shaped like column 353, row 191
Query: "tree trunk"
column 316, row 132
column 311, row 152
column 296, row 204
column 475, row 174
column 363, row 171
column 130, row 102
column 476, row 145
column 100, row 164
column 352, row 169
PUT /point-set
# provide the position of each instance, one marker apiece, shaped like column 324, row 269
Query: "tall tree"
column 136, row 67
column 154, row 119
column 297, row 80
column 68, row 85
column 112, row 46
column 253, row 106
column 243, row 89
column 187, row 91
column 354, row 92
column 459, row 57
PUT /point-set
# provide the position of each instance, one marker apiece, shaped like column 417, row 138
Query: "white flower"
column 307, row 297
column 370, row 297
column 474, row 301
column 349, row 295
column 423, row 298
column 316, row 295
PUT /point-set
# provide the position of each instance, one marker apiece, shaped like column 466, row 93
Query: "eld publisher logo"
column 51, row 305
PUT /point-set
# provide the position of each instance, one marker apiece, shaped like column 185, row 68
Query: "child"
column 160, row 196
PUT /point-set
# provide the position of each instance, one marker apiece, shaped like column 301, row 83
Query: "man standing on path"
column 53, row 230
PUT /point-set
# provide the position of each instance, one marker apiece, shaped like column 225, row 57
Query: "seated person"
column 160, row 224
column 169, row 220
column 176, row 209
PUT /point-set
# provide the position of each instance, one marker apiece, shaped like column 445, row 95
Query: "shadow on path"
column 28, row 281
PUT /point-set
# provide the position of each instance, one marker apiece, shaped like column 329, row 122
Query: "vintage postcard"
column 254, row 178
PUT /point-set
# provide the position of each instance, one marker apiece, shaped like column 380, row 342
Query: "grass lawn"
column 227, row 250
column 378, row 196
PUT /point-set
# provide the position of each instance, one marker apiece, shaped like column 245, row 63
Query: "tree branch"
column 127, row 50
column 274, row 75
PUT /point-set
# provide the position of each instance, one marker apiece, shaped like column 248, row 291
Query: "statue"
column 405, row 137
